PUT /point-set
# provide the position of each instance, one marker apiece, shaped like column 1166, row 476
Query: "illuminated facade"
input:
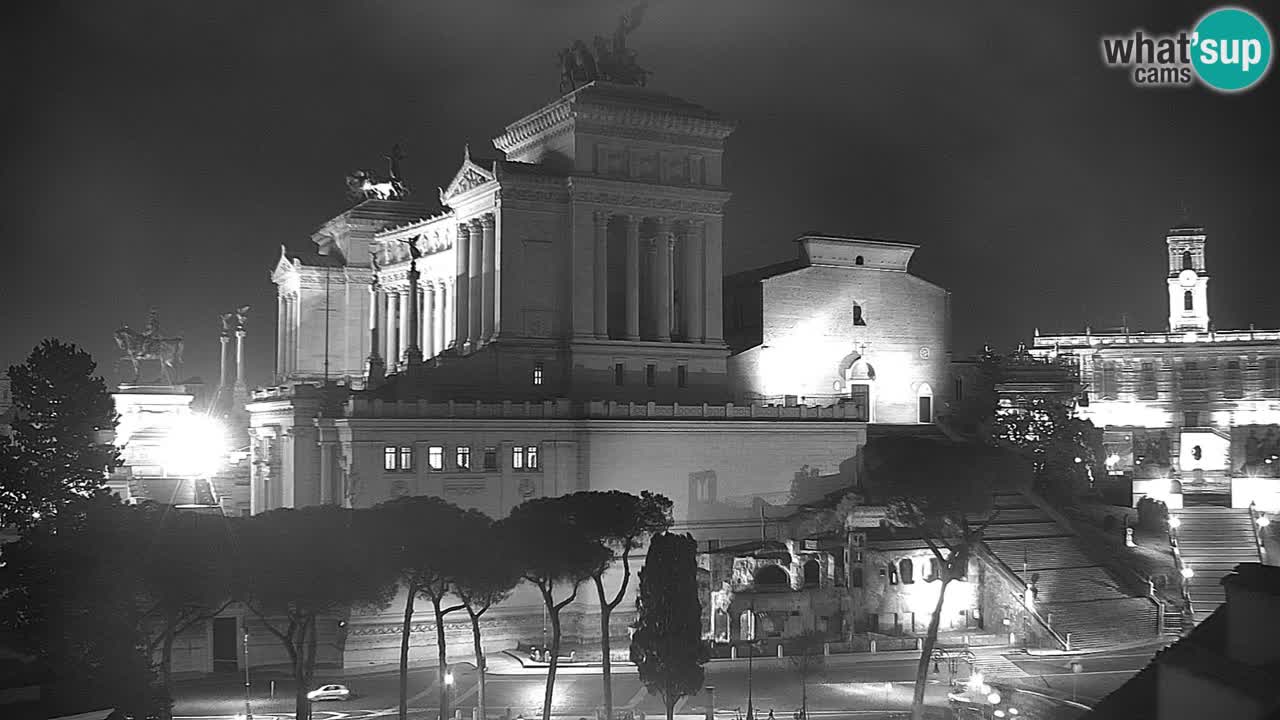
column 558, row 327
column 1192, row 410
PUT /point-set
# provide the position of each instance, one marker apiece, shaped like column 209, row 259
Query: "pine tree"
column 54, row 454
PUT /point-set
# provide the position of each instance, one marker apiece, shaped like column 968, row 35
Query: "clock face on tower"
column 1187, row 278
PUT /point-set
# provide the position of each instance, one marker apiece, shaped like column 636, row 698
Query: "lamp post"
column 1076, row 668
column 448, row 690
column 248, row 711
column 711, row 692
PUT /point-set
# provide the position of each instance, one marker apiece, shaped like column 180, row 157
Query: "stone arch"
column 906, row 571
column 772, row 577
column 924, row 403
column 1188, row 302
column 1187, row 262
column 812, row 573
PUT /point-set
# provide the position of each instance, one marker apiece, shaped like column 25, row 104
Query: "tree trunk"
column 166, row 669
column 442, row 657
column 302, row 705
column 404, row 651
column 670, row 702
column 554, row 613
column 926, row 652
column 480, row 662
column 606, row 669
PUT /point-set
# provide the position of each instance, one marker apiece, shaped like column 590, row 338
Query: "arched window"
column 772, row 577
column 907, row 570
column 1187, row 302
column 812, row 573
column 934, row 570
column 857, row 260
column 1187, row 263
column 858, row 319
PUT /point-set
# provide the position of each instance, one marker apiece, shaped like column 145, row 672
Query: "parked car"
column 329, row 692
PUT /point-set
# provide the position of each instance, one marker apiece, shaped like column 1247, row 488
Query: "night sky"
column 159, row 152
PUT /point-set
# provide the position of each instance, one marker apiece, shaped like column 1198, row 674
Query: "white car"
column 329, row 692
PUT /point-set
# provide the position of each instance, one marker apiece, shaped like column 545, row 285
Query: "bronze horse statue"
column 138, row 346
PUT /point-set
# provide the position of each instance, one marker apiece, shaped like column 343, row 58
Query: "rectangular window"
column 650, row 375
column 1192, row 376
column 926, row 409
column 389, row 458
column 1271, row 373
column 517, row 457
column 406, row 458
column 1109, row 381
column 1147, row 388
column 462, row 458
column 1191, row 419
column 682, row 376
column 537, row 373
column 618, row 372
column 435, row 457
column 490, row 458
column 1233, row 380
column 531, row 457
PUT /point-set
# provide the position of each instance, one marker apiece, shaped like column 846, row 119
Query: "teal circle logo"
column 1231, row 49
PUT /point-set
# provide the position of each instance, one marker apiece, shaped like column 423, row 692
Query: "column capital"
column 664, row 223
column 632, row 220
column 464, row 229
column 601, row 218
column 487, row 220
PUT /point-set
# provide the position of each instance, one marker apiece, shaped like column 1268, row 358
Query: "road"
column 842, row 687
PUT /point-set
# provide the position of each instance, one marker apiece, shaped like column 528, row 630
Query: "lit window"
column 537, row 373
column 406, row 458
column 517, row 457
column 618, row 371
column 463, row 458
column 531, row 457
column 650, row 375
column 490, row 458
column 389, row 458
column 682, row 376
column 435, row 457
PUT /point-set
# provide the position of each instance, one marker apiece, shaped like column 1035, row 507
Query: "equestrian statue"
column 611, row 60
column 150, row 345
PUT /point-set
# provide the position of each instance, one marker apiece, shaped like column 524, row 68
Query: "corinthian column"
column 601, row 258
column 413, row 322
column 429, row 346
column 633, row 277
column 282, row 320
column 662, row 281
column 489, row 297
column 475, row 282
column 462, row 286
column 375, row 369
column 692, row 296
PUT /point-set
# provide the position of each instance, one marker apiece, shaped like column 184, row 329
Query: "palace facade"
column 1192, row 410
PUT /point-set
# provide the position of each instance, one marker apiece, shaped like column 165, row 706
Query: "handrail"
column 1257, row 529
column 1012, row 576
column 1182, row 578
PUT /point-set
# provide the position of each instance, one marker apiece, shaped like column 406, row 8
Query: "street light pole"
column 248, row 711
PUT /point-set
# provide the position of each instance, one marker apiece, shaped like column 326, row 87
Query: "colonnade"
column 391, row 312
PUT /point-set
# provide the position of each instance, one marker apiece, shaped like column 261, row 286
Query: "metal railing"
column 1009, row 575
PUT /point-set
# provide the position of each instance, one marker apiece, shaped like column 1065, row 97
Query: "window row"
column 400, row 458
column 650, row 375
column 1191, row 375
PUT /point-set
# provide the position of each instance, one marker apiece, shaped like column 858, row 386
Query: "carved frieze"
column 456, row 488
column 649, row 202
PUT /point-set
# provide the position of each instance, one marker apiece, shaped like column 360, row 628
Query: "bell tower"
column 1188, row 280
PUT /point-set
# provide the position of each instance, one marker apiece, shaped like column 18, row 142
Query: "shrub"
column 1152, row 514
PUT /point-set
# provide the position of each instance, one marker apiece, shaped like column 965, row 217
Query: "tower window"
column 1187, row 262
column 1187, row 302
column 857, row 315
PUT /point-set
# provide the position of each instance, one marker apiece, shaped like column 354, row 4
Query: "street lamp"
column 1175, row 522
column 248, row 711
column 1187, row 572
column 1263, row 521
column 711, row 691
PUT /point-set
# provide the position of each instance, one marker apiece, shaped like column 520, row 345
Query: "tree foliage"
column 300, row 566
column 54, row 455
column 71, row 595
column 619, row 521
column 944, row 491
column 554, row 554
column 667, row 645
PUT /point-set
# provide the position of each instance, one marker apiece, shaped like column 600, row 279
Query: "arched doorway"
column 772, row 577
column 812, row 574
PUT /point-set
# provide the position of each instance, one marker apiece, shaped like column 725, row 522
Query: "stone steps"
column 1212, row 542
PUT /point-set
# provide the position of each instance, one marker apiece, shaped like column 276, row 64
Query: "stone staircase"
column 1076, row 594
column 1212, row 541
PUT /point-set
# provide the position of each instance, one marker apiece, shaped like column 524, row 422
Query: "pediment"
column 468, row 177
column 284, row 268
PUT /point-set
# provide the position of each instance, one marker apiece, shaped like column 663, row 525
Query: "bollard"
column 733, row 652
column 873, row 645
column 826, row 649
column 475, row 714
column 919, row 644
column 779, row 649
column 457, row 714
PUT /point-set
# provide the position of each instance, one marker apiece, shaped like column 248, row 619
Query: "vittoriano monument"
column 610, row 60
column 150, row 344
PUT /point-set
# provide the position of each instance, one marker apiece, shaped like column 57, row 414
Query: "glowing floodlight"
column 1263, row 521
column 994, row 698
column 1112, row 460
column 1175, row 523
column 1187, row 572
column 196, row 446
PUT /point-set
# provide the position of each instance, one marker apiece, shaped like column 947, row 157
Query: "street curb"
column 1064, row 701
column 1034, row 652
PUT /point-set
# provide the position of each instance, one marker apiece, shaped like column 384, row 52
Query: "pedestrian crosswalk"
column 995, row 665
